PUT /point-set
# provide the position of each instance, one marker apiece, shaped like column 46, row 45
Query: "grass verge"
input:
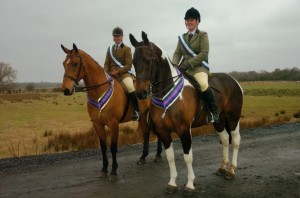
column 32, row 124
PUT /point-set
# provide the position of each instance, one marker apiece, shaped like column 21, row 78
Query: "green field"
column 271, row 88
column 27, row 120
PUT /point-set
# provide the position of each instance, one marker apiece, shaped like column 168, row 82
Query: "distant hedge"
column 278, row 74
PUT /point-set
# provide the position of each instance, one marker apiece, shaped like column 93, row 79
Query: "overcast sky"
column 244, row 35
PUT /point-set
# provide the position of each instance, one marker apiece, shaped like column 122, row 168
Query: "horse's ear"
column 145, row 38
column 75, row 47
column 133, row 41
column 65, row 49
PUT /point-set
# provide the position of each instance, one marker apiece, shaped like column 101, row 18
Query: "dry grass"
column 32, row 124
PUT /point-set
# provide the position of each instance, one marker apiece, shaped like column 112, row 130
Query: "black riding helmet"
column 117, row 31
column 192, row 13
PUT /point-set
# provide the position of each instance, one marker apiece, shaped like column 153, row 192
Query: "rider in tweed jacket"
column 195, row 63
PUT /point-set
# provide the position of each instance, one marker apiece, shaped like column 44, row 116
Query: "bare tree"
column 7, row 74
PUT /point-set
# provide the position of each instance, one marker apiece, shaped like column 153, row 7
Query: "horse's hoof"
column 188, row 192
column 112, row 178
column 157, row 158
column 229, row 176
column 221, row 172
column 170, row 189
column 141, row 161
column 103, row 174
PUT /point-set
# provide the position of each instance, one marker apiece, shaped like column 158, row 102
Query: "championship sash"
column 190, row 51
column 114, row 59
column 171, row 96
column 103, row 100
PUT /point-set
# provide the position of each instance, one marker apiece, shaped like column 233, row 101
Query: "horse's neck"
column 165, row 75
column 95, row 75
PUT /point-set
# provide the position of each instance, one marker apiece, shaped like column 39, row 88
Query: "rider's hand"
column 114, row 73
column 184, row 66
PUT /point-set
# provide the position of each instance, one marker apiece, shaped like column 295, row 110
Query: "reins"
column 166, row 88
column 159, row 82
column 153, row 83
column 84, row 89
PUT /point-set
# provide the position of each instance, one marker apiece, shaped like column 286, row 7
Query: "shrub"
column 297, row 114
column 282, row 112
column 47, row 133
column 65, row 141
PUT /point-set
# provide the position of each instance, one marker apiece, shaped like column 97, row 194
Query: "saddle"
column 128, row 98
column 203, row 105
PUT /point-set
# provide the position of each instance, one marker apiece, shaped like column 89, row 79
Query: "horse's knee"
column 186, row 141
column 170, row 153
column 188, row 158
column 236, row 138
column 224, row 136
column 113, row 149
column 236, row 142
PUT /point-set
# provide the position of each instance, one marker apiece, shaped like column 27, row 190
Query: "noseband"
column 76, row 80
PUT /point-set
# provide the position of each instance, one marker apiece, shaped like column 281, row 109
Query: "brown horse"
column 108, row 104
column 176, row 107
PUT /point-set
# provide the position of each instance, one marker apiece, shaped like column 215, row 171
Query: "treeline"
column 276, row 75
column 27, row 87
column 36, row 85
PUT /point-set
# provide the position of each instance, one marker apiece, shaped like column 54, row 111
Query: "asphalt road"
column 268, row 166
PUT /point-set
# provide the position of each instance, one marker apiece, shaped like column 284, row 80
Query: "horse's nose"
column 67, row 92
column 141, row 94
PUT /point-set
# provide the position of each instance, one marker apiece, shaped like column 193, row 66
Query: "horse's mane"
column 165, row 56
column 90, row 57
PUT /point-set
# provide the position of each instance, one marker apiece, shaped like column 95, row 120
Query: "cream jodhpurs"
column 128, row 82
column 202, row 79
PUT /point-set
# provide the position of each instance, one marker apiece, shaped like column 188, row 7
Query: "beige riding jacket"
column 124, row 56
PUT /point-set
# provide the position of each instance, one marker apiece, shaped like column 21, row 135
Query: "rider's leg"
column 208, row 95
column 128, row 82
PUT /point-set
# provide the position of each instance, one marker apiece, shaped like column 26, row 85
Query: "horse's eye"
column 75, row 64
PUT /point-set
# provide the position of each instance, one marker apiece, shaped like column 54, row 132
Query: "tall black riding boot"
column 135, row 115
column 209, row 98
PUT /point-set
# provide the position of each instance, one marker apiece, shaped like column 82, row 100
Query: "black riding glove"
column 184, row 66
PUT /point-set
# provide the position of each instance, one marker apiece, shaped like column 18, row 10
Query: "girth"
column 127, row 96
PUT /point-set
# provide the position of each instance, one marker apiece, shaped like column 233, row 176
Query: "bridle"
column 76, row 80
column 154, row 61
column 77, row 88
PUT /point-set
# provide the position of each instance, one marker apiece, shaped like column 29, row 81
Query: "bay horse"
column 108, row 104
column 176, row 107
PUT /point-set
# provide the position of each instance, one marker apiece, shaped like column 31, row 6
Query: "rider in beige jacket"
column 118, row 63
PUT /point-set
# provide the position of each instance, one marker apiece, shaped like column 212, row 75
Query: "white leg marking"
column 172, row 166
column 188, row 158
column 236, row 139
column 225, row 142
